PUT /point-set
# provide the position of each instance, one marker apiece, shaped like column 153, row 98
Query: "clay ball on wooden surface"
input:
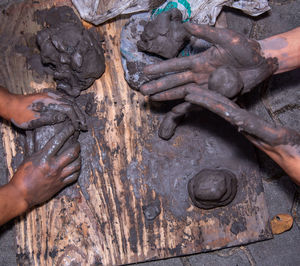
column 212, row 188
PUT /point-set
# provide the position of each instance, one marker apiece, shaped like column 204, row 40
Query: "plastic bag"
column 201, row 11
column 97, row 13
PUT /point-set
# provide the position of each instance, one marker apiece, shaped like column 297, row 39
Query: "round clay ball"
column 212, row 188
column 226, row 80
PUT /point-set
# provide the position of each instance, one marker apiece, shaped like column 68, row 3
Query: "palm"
column 233, row 59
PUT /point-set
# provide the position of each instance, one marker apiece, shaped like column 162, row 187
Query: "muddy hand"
column 230, row 49
column 45, row 173
column 36, row 110
column 232, row 66
column 281, row 144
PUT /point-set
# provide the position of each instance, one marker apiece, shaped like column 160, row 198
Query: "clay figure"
column 212, row 188
column 165, row 35
column 231, row 67
column 72, row 51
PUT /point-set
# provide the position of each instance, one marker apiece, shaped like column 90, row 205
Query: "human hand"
column 51, row 107
column 232, row 66
column 45, row 173
column 230, row 50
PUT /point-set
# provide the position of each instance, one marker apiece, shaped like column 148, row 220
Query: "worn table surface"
column 127, row 169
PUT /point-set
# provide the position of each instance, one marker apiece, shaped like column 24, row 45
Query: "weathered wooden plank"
column 127, row 168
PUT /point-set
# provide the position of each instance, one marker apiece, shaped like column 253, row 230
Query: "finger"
column 61, row 97
column 171, row 65
column 214, row 95
column 47, row 118
column 167, row 82
column 68, row 110
column 70, row 169
column 56, row 142
column 176, row 93
column 245, row 121
column 69, row 155
column 81, row 116
column 172, row 119
column 71, row 178
column 244, row 51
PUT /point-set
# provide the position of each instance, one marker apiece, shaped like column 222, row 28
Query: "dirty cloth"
column 201, row 11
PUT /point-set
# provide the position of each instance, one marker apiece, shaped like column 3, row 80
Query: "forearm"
column 286, row 156
column 11, row 203
column 6, row 101
column 286, row 47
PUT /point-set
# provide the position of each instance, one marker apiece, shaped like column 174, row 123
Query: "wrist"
column 7, row 103
column 15, row 195
column 285, row 47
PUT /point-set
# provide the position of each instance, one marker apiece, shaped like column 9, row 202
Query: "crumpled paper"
column 201, row 11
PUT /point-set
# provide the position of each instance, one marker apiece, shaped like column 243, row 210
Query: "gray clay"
column 76, row 57
column 71, row 51
column 212, row 188
column 134, row 60
column 165, row 35
column 226, row 80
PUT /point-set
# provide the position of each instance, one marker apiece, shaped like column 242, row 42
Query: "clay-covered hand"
column 47, row 108
column 45, row 173
column 280, row 143
column 232, row 66
column 232, row 55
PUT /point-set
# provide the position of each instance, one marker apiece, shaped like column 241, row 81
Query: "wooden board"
column 127, row 169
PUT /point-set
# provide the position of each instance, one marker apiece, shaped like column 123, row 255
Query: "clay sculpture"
column 70, row 50
column 75, row 56
column 212, row 188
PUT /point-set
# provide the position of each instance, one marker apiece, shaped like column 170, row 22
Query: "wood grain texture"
column 127, row 169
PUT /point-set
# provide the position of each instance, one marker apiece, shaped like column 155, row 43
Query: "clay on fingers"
column 246, row 122
column 172, row 119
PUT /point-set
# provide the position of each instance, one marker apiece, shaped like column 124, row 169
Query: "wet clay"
column 226, row 80
column 212, row 188
column 71, row 51
column 76, row 58
column 231, row 67
column 165, row 35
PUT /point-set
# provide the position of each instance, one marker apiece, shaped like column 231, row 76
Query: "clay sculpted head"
column 212, row 188
column 73, row 52
column 165, row 35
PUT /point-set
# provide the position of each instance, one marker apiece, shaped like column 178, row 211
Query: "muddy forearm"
column 284, row 46
column 11, row 203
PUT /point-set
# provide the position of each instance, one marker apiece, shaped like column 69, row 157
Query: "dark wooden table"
column 128, row 170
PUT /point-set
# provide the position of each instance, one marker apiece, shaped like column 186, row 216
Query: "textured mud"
column 73, row 55
column 165, row 35
column 212, row 188
column 72, row 52
column 155, row 41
